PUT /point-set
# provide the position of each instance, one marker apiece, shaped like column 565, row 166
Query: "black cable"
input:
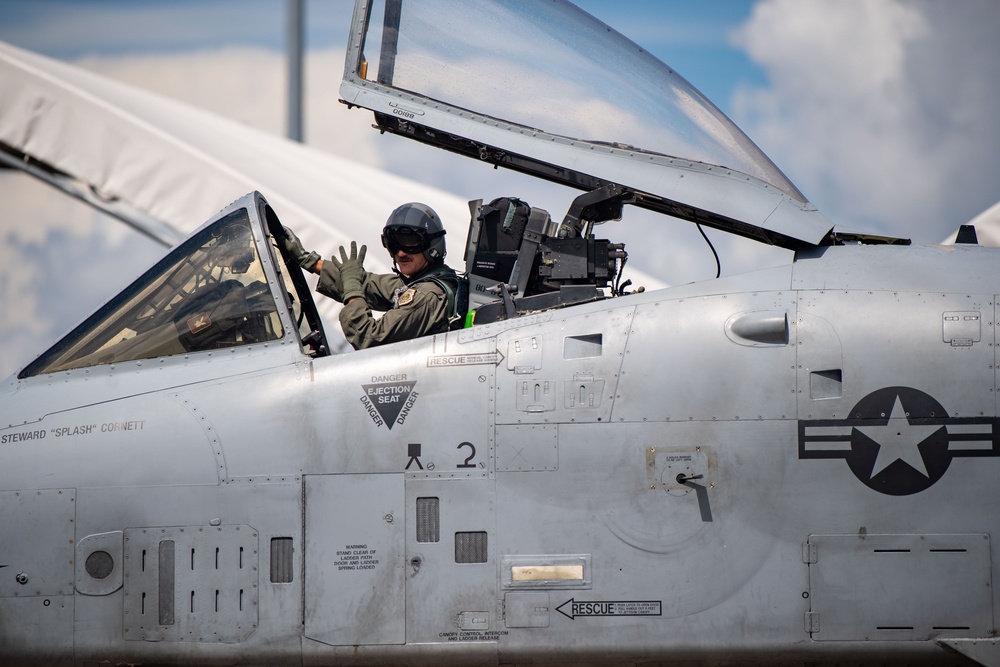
column 718, row 266
column 616, row 288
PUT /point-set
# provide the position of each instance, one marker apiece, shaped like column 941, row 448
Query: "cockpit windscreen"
column 209, row 293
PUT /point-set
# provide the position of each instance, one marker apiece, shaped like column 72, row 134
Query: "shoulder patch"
column 406, row 297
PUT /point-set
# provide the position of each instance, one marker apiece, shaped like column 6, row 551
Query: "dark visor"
column 411, row 240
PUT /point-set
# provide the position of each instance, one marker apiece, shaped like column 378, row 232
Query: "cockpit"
column 232, row 284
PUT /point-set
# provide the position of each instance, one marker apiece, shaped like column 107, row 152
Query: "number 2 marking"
column 468, row 459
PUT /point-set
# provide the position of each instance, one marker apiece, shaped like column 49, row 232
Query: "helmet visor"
column 411, row 240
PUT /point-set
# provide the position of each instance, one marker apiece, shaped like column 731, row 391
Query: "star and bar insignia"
column 898, row 440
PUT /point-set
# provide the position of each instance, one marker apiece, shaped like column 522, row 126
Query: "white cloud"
column 59, row 261
column 249, row 85
column 883, row 113
column 18, row 278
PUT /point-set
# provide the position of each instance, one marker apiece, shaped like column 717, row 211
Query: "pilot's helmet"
column 415, row 228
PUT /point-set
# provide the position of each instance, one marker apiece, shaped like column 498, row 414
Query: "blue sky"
column 690, row 36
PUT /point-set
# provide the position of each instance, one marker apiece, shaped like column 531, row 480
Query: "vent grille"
column 167, row 582
column 428, row 520
column 470, row 547
column 281, row 560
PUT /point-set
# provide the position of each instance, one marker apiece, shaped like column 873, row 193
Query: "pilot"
column 422, row 296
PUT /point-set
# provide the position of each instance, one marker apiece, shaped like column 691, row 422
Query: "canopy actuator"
column 593, row 208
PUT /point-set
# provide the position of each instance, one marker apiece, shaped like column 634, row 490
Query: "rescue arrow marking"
column 617, row 608
column 487, row 358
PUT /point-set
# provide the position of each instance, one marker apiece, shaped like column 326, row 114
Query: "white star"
column 899, row 440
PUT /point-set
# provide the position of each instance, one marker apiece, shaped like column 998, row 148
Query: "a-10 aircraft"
column 793, row 466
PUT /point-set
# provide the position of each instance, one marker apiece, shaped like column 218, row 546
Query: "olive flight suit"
column 413, row 307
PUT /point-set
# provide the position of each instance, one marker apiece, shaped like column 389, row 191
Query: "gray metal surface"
column 354, row 559
column 99, row 563
column 191, row 584
column 928, row 586
column 687, row 345
column 567, row 374
column 27, row 517
column 466, row 609
column 829, row 325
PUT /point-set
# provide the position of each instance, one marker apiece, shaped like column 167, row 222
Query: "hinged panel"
column 536, row 395
column 354, row 578
column 524, row 355
column 901, row 587
column 527, row 447
column 961, row 328
column 42, row 565
column 525, row 609
column 473, row 620
column 451, row 582
column 583, row 393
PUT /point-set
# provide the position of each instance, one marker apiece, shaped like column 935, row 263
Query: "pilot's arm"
column 420, row 309
column 307, row 259
column 329, row 283
column 377, row 293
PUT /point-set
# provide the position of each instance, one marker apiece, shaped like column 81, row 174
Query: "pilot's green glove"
column 293, row 246
column 352, row 271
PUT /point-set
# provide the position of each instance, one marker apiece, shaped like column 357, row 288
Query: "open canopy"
column 544, row 88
